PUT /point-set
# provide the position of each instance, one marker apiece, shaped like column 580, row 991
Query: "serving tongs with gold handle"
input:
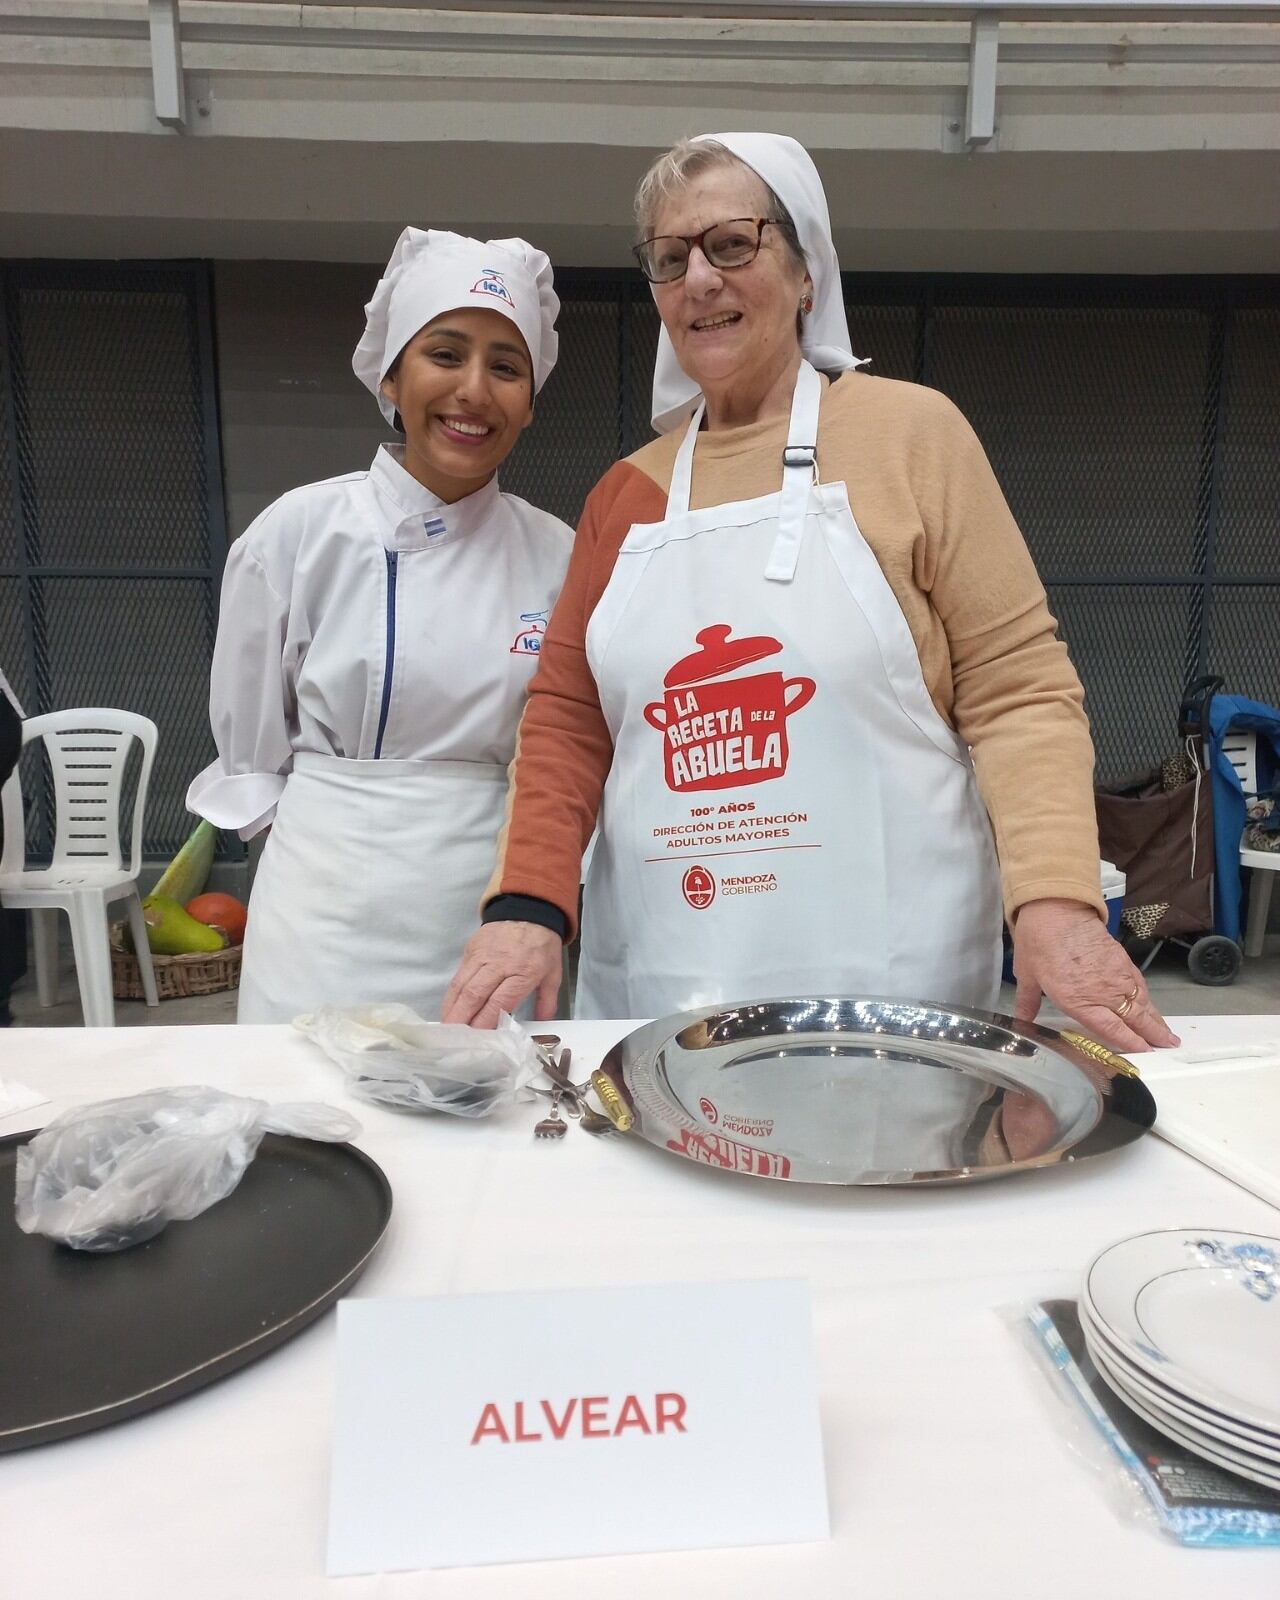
column 617, row 1119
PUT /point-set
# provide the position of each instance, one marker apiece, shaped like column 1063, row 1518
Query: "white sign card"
column 577, row 1422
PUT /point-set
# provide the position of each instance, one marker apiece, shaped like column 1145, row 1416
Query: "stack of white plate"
column 1185, row 1327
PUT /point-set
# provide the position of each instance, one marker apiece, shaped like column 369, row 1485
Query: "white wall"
column 315, row 131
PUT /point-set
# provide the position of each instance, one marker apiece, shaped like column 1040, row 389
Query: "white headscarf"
column 787, row 167
column 431, row 272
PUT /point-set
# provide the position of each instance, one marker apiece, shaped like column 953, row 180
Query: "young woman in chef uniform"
column 376, row 638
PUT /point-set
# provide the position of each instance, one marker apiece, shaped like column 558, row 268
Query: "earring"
column 806, row 304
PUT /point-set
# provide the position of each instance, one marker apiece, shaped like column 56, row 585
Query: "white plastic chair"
column 1240, row 746
column 87, row 749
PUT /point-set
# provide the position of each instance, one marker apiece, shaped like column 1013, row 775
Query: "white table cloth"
column 947, row 1472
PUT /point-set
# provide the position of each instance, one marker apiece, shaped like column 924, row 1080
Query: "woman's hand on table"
column 503, row 964
column 1062, row 949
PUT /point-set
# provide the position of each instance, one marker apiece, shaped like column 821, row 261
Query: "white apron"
column 369, row 884
column 786, row 813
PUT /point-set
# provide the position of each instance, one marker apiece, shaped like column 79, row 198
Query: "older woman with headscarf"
column 802, row 673
column 377, row 635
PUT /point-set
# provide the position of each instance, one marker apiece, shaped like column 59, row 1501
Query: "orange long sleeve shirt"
column 928, row 505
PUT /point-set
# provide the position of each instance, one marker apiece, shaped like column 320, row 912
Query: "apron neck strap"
column 799, row 474
column 682, row 472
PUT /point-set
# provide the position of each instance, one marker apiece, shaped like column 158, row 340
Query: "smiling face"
column 733, row 329
column 463, row 386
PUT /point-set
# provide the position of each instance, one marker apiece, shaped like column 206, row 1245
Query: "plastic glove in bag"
column 110, row 1175
column 393, row 1058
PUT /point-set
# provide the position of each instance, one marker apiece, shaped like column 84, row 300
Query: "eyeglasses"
column 665, row 257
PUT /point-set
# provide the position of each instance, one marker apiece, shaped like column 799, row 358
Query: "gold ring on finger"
column 1126, row 1005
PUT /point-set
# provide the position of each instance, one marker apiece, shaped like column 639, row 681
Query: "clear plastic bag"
column 109, row 1175
column 392, row 1057
column 1149, row 1477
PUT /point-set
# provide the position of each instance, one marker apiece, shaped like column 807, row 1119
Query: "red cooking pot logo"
column 698, row 887
column 722, row 732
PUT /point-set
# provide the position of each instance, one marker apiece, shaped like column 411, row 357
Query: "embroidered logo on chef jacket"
column 528, row 642
column 491, row 284
column 433, row 527
column 719, row 731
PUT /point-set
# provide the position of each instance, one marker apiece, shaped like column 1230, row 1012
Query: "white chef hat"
column 787, row 167
column 431, row 272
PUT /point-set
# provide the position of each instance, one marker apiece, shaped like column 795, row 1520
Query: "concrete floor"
column 1256, row 990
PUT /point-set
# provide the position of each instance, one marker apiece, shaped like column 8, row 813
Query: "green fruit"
column 188, row 872
column 172, row 932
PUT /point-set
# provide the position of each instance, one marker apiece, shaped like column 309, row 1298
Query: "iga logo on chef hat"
column 528, row 642
column 491, row 284
column 698, row 887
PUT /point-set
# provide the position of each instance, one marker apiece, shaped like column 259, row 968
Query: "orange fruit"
column 222, row 911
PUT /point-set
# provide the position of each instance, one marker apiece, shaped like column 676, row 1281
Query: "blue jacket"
column 1228, row 711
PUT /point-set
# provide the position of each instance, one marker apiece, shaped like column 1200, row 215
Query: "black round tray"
column 86, row 1340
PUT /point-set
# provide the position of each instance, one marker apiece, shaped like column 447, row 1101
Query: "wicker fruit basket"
column 176, row 976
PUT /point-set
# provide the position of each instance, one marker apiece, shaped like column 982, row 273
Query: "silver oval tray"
column 867, row 1091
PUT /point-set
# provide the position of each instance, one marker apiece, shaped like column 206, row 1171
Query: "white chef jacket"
column 362, row 617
